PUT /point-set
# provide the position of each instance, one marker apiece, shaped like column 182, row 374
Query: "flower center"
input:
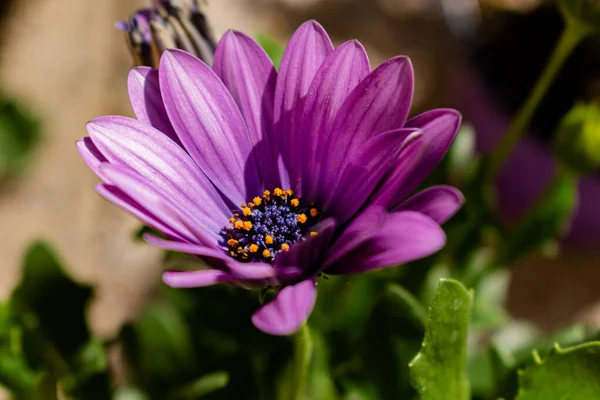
column 269, row 225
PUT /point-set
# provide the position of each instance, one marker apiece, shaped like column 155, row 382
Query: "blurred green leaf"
column 129, row 393
column 439, row 370
column 158, row 346
column 57, row 304
column 272, row 47
column 545, row 221
column 201, row 387
column 19, row 133
column 46, row 388
column 319, row 383
column 564, row 374
column 408, row 304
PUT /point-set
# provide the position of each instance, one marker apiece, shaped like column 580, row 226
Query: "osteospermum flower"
column 272, row 179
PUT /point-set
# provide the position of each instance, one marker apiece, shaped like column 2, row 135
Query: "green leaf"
column 57, row 304
column 408, row 304
column 19, row 133
column 439, row 370
column 46, row 388
column 158, row 346
column 272, row 47
column 545, row 221
column 571, row 373
column 201, row 387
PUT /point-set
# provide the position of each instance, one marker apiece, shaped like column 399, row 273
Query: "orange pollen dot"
column 302, row 218
column 253, row 248
column 313, row 233
column 266, row 193
column 247, row 225
column 231, row 220
column 240, row 249
column 232, row 242
column 295, row 202
column 257, row 201
column 285, row 247
column 269, row 239
column 246, row 211
column 238, row 225
column 314, row 212
column 266, row 253
column 290, row 192
column 277, row 192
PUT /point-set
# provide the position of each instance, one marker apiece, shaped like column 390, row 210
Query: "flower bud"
column 578, row 139
column 585, row 12
column 168, row 24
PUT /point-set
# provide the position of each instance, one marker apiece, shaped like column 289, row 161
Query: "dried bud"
column 578, row 139
column 584, row 12
column 168, row 24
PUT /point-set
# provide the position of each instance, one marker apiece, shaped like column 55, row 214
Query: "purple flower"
column 273, row 178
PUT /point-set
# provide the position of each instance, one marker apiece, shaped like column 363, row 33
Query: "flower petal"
column 138, row 189
column 146, row 100
column 308, row 48
column 339, row 74
column 364, row 172
column 355, row 234
column 90, row 154
column 439, row 128
column 123, row 201
column 162, row 163
column 439, row 203
column 379, row 103
column 402, row 237
column 194, row 279
column 209, row 124
column 249, row 75
column 394, row 187
column 289, row 310
column 306, row 254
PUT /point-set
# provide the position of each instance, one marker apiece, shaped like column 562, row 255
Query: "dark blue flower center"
column 269, row 225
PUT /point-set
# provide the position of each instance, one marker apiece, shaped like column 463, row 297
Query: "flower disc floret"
column 269, row 225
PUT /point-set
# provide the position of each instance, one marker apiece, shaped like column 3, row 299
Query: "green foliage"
column 439, row 370
column 563, row 374
column 272, row 47
column 19, row 133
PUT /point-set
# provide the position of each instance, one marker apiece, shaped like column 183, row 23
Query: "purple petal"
column 306, row 254
column 439, row 203
column 305, row 53
column 209, row 124
column 123, row 201
column 163, row 164
column 364, row 172
column 167, row 210
column 249, row 75
column 355, row 234
column 90, row 154
column 193, row 279
column 402, row 237
column 394, row 187
column 379, row 103
column 219, row 259
column 439, row 130
column 146, row 100
column 339, row 74
column 288, row 311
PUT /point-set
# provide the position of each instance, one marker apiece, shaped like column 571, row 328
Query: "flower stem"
column 572, row 35
column 302, row 354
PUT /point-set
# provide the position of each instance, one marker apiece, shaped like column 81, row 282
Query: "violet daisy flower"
column 273, row 178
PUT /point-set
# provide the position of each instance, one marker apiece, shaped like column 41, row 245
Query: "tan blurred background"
column 67, row 62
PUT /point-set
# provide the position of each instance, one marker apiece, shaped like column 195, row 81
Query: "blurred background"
column 66, row 63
